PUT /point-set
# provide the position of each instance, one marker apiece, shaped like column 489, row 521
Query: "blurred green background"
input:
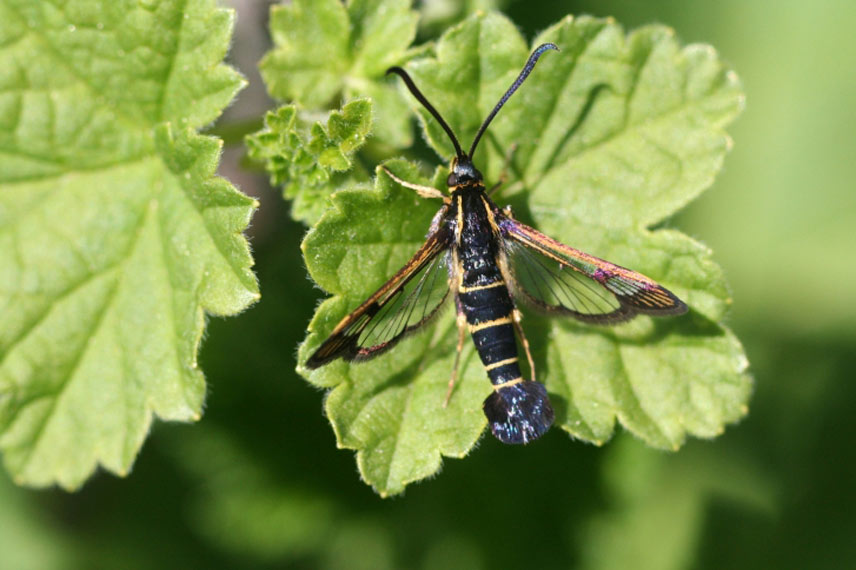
column 259, row 483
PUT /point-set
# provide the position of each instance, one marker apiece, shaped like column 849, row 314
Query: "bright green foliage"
column 115, row 234
column 311, row 166
column 613, row 134
column 324, row 48
column 261, row 483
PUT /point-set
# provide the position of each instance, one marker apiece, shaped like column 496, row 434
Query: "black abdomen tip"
column 519, row 413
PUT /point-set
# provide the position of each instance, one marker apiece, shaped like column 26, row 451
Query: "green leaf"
column 116, row 236
column 311, row 166
column 613, row 134
column 324, row 48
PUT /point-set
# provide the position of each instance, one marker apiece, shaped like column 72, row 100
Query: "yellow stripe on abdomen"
column 488, row 324
column 465, row 289
column 490, row 367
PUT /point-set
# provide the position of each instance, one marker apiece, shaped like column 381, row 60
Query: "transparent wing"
column 403, row 304
column 560, row 279
column 551, row 286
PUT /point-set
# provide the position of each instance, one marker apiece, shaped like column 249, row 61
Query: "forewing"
column 560, row 279
column 403, row 304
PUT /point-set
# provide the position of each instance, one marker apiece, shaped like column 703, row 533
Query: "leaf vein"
column 120, row 259
column 22, row 216
column 74, row 365
column 63, row 61
column 630, row 399
column 167, row 76
column 554, row 106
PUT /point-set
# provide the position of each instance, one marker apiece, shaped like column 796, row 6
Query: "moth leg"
column 424, row 191
column 437, row 220
column 503, row 176
column 516, row 317
column 462, row 334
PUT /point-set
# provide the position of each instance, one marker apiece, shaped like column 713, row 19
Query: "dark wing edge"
column 559, row 279
column 401, row 305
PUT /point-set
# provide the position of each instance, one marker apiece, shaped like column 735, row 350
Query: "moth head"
column 463, row 173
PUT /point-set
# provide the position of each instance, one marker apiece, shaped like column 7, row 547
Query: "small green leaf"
column 324, row 48
column 311, row 166
column 613, row 134
column 116, row 236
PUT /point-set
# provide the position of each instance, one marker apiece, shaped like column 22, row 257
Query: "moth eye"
column 452, row 180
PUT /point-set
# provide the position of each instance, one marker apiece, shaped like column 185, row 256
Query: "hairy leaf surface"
column 116, row 236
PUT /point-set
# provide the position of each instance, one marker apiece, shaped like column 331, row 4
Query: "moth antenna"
column 421, row 98
column 524, row 73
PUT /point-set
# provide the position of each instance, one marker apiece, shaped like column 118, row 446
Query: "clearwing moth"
column 489, row 260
